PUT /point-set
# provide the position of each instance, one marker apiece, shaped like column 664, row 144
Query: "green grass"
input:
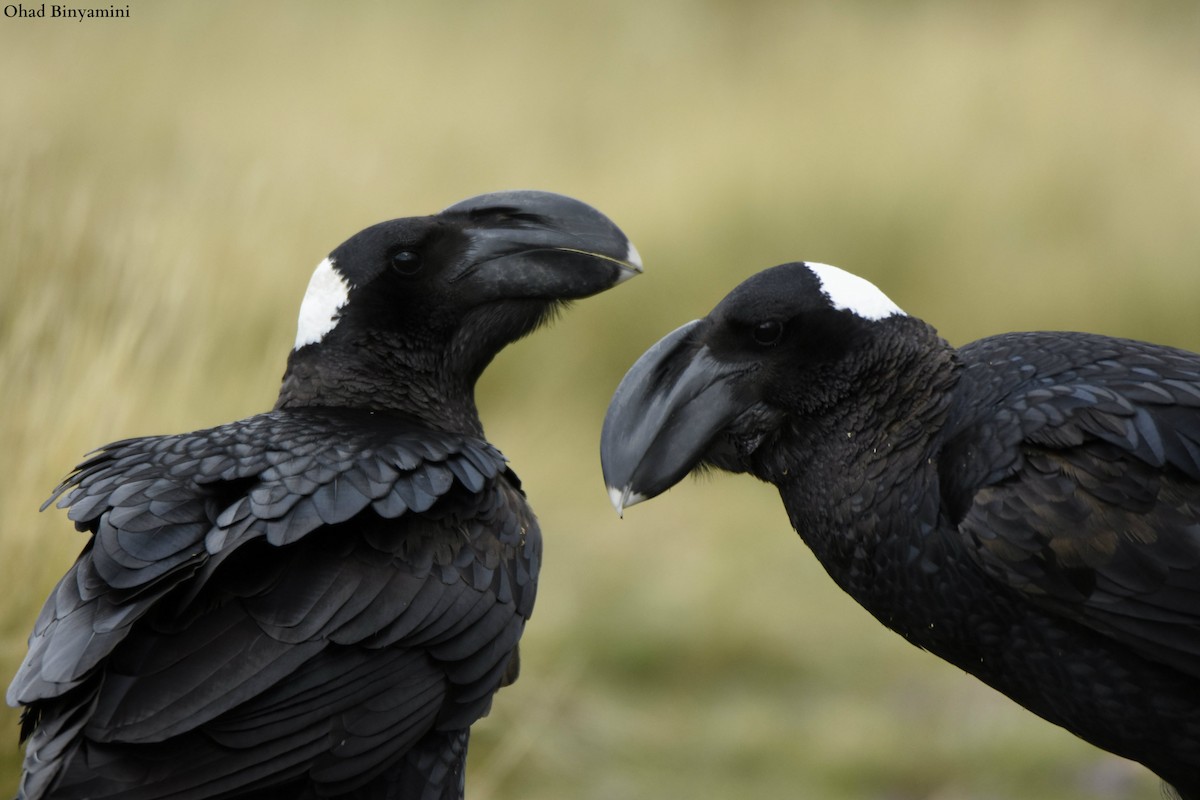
column 168, row 181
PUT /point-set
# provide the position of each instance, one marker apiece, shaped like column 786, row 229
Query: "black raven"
column 320, row 600
column 1026, row 507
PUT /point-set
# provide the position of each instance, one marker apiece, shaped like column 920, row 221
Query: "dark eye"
column 406, row 262
column 768, row 333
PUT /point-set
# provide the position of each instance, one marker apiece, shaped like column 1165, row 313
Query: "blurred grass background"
column 168, row 181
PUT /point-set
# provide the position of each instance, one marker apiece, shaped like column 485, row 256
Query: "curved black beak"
column 665, row 415
column 533, row 244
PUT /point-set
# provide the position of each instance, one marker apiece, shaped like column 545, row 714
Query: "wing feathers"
column 318, row 570
column 1096, row 511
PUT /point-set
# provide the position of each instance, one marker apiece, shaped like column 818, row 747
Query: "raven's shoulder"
column 1071, row 469
column 166, row 510
column 338, row 460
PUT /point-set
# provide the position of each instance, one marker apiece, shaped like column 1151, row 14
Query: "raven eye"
column 768, row 333
column 406, row 262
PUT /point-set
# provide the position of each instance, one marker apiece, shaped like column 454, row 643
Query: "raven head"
column 409, row 312
column 784, row 348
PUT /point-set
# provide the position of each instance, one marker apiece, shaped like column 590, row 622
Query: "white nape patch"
column 327, row 292
column 852, row 293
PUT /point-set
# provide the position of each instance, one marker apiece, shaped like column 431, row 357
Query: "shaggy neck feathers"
column 905, row 386
column 379, row 373
column 429, row 375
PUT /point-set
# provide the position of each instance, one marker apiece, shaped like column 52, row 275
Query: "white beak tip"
column 622, row 499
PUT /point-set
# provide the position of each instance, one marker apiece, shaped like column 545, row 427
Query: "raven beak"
column 665, row 415
column 530, row 244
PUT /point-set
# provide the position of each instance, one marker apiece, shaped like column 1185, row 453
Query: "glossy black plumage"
column 320, row 600
column 1026, row 507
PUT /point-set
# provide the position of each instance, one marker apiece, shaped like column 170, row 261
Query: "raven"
column 317, row 601
column 1026, row 507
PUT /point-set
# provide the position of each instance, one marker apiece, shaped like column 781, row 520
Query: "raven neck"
column 891, row 408
column 849, row 477
column 382, row 377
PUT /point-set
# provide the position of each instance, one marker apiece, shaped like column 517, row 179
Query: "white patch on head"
column 327, row 292
column 852, row 293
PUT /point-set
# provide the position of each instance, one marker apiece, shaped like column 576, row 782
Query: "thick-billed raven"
column 1027, row 507
column 320, row 600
